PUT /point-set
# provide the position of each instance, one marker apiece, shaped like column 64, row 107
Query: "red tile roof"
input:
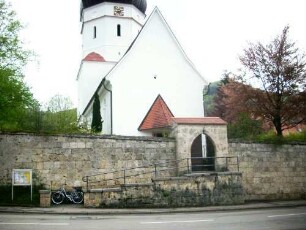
column 94, row 57
column 158, row 116
column 199, row 121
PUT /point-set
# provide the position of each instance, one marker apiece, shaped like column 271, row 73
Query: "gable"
column 158, row 116
column 156, row 36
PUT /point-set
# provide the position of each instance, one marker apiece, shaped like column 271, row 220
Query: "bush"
column 244, row 128
column 272, row 138
column 22, row 195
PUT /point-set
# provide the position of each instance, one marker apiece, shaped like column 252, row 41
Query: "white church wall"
column 107, row 8
column 105, row 100
column 89, row 78
column 155, row 66
column 106, row 42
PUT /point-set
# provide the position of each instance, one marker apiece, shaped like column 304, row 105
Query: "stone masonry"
column 66, row 159
column 189, row 191
column 269, row 172
column 272, row 172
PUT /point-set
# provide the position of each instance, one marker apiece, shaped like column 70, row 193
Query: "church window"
column 94, row 32
column 118, row 30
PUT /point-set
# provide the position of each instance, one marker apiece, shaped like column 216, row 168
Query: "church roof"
column 139, row 4
column 199, row 120
column 94, row 57
column 158, row 116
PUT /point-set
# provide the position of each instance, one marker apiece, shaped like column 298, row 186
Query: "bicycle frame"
column 69, row 196
column 74, row 196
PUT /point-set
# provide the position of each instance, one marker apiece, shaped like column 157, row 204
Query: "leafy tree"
column 15, row 100
column 209, row 98
column 59, row 103
column 244, row 127
column 279, row 71
column 12, row 54
column 96, row 124
column 60, row 116
column 230, row 104
column 230, row 99
column 16, row 97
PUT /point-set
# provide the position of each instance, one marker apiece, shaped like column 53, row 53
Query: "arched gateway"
column 203, row 154
column 200, row 138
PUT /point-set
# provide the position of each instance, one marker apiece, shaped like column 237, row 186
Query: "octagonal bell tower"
column 109, row 27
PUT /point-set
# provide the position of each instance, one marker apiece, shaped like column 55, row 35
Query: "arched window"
column 118, row 30
column 94, row 32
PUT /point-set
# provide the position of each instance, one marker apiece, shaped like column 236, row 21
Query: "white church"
column 137, row 67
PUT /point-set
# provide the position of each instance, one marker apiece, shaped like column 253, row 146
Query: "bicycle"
column 75, row 196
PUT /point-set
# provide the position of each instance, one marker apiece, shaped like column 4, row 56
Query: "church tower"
column 109, row 27
column 108, row 30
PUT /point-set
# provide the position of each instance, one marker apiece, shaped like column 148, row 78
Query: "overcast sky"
column 212, row 32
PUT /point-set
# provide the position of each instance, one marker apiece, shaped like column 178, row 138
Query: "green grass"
column 22, row 195
column 272, row 138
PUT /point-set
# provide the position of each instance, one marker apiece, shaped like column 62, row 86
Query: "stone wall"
column 60, row 159
column 269, row 172
column 272, row 172
column 195, row 190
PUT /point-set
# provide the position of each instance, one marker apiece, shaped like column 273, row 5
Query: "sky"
column 213, row 33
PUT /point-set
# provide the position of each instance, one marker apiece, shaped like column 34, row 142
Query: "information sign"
column 21, row 177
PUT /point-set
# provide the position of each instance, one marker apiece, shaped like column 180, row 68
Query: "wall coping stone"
column 213, row 174
column 239, row 141
column 91, row 136
column 101, row 190
column 44, row 191
column 170, row 178
column 138, row 185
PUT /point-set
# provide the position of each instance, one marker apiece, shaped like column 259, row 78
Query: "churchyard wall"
column 205, row 189
column 272, row 172
column 67, row 159
column 269, row 172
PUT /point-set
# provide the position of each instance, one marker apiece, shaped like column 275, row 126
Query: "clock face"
column 118, row 11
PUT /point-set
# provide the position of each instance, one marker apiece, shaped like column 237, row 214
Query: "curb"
column 88, row 211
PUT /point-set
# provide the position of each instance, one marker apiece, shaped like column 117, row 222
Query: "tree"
column 96, row 124
column 16, row 97
column 15, row 100
column 60, row 116
column 279, row 71
column 12, row 55
column 209, row 97
column 59, row 103
column 230, row 104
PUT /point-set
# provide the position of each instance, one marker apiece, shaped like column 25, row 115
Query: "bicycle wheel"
column 57, row 197
column 77, row 197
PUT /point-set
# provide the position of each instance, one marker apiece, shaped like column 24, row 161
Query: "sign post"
column 22, row 177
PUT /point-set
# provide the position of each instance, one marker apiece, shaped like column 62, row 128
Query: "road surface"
column 278, row 219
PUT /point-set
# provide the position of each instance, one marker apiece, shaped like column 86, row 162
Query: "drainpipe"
column 111, row 104
column 205, row 93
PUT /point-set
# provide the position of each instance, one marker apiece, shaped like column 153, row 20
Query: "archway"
column 202, row 154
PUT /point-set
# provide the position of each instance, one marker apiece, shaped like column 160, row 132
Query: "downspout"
column 205, row 93
column 111, row 104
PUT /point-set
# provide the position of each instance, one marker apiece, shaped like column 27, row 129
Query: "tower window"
column 94, row 32
column 118, row 30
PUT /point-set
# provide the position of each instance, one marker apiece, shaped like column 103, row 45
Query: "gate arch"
column 186, row 130
column 203, row 153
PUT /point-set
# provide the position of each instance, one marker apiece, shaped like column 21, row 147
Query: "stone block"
column 45, row 198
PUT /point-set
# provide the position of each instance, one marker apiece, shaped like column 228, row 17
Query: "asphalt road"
column 278, row 219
